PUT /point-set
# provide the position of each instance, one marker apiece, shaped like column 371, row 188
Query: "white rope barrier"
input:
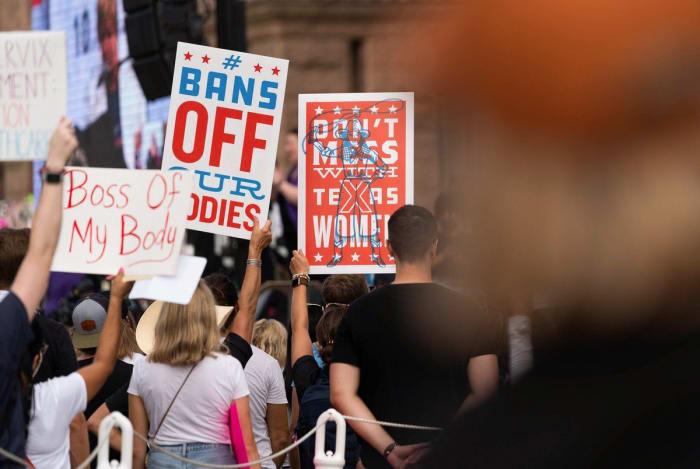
column 322, row 460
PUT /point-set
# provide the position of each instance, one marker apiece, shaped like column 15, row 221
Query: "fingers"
column 268, row 224
column 256, row 223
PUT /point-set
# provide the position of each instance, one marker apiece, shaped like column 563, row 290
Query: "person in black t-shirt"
column 386, row 367
column 27, row 286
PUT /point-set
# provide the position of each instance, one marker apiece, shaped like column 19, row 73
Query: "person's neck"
column 413, row 273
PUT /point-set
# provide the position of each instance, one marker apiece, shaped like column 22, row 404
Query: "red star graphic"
column 275, row 71
column 205, row 59
column 188, row 56
column 257, row 67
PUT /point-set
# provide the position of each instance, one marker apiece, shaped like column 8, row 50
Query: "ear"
column 390, row 249
column 433, row 249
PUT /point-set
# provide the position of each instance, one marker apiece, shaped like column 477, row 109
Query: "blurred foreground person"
column 18, row 307
column 181, row 396
column 583, row 120
column 383, row 369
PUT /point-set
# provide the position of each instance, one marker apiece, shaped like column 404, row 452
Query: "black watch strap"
column 389, row 449
column 52, row 178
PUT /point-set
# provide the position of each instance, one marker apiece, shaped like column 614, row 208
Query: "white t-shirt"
column 266, row 386
column 55, row 404
column 200, row 412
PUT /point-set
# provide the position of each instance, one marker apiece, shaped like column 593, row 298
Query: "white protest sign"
column 224, row 124
column 32, row 92
column 177, row 288
column 114, row 218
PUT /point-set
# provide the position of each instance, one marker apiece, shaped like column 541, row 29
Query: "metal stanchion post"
column 109, row 422
column 330, row 460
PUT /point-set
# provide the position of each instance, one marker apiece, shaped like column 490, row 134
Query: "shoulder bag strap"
column 173, row 401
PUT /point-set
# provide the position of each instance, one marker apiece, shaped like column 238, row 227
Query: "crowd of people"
column 204, row 381
column 569, row 341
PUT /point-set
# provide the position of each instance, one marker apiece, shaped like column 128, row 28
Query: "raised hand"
column 299, row 263
column 260, row 239
column 61, row 146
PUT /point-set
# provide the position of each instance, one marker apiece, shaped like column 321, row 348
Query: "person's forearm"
column 290, row 192
column 106, row 353
column 79, row 442
column 278, row 443
column 353, row 406
column 248, row 299
column 300, row 311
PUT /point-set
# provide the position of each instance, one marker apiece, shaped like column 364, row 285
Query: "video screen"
column 117, row 127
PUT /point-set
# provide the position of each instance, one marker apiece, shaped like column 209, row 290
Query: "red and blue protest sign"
column 224, row 124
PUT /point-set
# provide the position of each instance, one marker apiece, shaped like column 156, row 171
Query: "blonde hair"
column 185, row 334
column 271, row 336
column 127, row 341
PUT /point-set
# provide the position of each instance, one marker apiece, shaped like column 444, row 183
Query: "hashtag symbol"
column 231, row 62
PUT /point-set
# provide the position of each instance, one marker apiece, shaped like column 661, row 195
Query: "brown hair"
column 185, row 334
column 412, row 231
column 270, row 336
column 327, row 327
column 343, row 288
column 127, row 341
column 13, row 247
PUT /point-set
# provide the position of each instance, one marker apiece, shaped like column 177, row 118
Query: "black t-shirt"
column 305, row 373
column 238, row 348
column 119, row 401
column 407, row 375
column 59, row 359
column 120, row 375
column 15, row 335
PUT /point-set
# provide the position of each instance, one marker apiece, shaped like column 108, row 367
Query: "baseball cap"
column 88, row 320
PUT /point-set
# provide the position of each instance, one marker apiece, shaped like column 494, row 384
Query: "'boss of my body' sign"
column 114, row 218
column 224, row 123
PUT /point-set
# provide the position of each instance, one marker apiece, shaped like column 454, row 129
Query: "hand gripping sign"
column 114, row 218
column 224, row 124
column 355, row 170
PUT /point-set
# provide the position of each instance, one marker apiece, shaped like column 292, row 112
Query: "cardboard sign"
column 177, row 288
column 355, row 170
column 32, row 92
column 114, row 218
column 224, row 124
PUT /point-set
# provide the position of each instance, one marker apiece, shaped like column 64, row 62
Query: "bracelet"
column 255, row 262
column 302, row 275
column 389, row 449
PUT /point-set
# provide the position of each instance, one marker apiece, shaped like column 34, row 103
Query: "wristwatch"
column 300, row 279
column 50, row 177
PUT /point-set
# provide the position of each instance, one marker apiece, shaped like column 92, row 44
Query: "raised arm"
column 250, row 290
column 33, row 276
column 99, row 370
column 301, row 341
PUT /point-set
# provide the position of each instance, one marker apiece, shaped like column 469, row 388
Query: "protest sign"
column 114, row 218
column 32, row 92
column 224, row 123
column 177, row 288
column 355, row 170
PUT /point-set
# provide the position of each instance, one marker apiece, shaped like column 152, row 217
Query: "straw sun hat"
column 145, row 330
